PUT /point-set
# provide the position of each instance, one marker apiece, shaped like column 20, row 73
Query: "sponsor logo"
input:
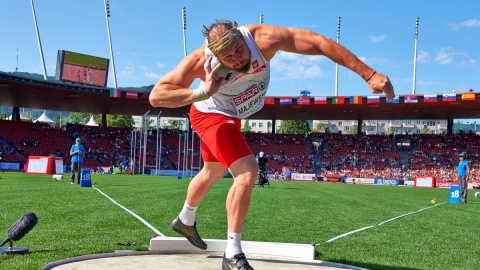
column 262, row 86
column 245, row 96
column 386, row 182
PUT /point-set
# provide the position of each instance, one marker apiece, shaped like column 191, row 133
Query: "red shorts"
column 222, row 138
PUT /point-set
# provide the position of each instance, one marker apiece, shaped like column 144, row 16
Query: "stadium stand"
column 366, row 156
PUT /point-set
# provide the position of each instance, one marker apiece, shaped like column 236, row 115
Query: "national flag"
column 303, row 100
column 410, row 99
column 430, row 98
column 320, row 100
column 395, row 100
column 338, row 100
column 449, row 97
column 468, row 96
column 269, row 100
column 373, row 99
column 145, row 95
column 131, row 94
column 355, row 100
column 285, row 100
column 115, row 93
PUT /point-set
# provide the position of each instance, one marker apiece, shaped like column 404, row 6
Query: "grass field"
column 74, row 221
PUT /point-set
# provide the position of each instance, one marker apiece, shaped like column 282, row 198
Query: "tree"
column 246, row 127
column 353, row 131
column 319, row 127
column 175, row 124
column 119, row 121
column 391, row 131
column 3, row 114
column 425, row 130
column 294, row 127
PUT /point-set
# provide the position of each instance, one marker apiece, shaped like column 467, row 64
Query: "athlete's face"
column 236, row 56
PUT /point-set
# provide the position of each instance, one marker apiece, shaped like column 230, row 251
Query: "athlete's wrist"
column 200, row 94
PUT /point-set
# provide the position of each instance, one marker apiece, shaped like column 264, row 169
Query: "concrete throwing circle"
column 151, row 261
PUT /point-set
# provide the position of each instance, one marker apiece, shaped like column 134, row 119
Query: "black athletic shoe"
column 237, row 262
column 190, row 232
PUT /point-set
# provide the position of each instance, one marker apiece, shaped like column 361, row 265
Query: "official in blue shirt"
column 463, row 172
column 77, row 152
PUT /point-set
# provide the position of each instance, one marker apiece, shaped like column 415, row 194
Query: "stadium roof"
column 18, row 91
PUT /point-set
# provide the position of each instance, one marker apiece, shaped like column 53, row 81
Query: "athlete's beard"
column 245, row 68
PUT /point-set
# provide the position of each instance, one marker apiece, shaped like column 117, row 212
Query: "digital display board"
column 81, row 68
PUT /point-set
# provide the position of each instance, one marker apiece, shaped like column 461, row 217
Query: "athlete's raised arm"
column 271, row 39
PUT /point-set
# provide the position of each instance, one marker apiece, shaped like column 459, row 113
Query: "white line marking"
column 345, row 234
column 379, row 224
column 133, row 214
column 430, row 207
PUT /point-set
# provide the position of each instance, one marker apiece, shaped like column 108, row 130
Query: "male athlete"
column 219, row 104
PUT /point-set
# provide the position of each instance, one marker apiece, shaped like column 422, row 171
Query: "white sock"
column 187, row 216
column 234, row 245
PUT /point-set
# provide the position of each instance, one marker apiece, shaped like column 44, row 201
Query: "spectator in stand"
column 1, row 160
column 463, row 172
column 77, row 152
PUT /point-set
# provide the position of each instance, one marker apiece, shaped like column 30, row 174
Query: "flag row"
column 307, row 100
column 132, row 94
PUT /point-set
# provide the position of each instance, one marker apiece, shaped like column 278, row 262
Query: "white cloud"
column 380, row 38
column 423, row 57
column 427, row 83
column 290, row 65
column 443, row 57
column 149, row 74
column 127, row 71
column 287, row 55
column 448, row 56
column 373, row 60
column 467, row 24
column 161, row 65
column 469, row 62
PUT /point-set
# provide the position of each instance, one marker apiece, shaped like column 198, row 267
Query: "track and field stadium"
column 330, row 201
column 377, row 220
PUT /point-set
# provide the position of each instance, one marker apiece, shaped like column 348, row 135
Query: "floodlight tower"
column 39, row 41
column 184, row 23
column 336, row 65
column 107, row 15
column 415, row 57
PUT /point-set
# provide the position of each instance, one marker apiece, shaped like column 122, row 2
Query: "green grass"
column 74, row 221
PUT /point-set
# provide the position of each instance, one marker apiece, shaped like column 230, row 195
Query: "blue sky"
column 147, row 39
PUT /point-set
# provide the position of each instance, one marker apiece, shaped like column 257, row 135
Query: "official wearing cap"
column 77, row 152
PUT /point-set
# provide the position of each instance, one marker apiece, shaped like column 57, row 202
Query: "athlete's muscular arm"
column 172, row 90
column 271, row 39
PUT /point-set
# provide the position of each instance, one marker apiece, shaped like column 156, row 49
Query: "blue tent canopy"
column 304, row 93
